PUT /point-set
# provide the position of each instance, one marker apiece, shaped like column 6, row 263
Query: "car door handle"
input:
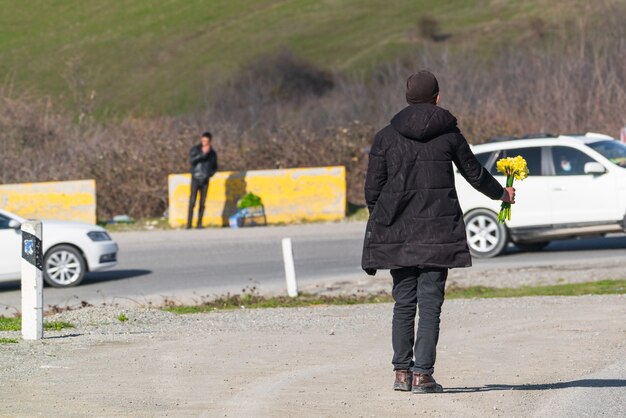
column 559, row 189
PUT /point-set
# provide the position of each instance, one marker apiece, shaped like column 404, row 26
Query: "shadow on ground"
column 56, row 337
column 581, row 244
column 90, row 278
column 112, row 275
column 584, row 383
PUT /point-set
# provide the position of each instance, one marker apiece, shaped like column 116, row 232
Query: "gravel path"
column 497, row 357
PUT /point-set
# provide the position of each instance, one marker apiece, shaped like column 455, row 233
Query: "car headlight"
column 98, row 236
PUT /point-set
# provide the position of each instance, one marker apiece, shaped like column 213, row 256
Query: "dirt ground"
column 497, row 357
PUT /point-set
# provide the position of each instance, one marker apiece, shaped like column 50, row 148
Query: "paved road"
column 188, row 264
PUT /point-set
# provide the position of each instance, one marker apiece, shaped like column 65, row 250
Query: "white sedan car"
column 70, row 250
column 576, row 187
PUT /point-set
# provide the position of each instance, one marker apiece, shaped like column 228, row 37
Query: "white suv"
column 576, row 187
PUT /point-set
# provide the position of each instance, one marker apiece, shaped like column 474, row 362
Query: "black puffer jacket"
column 415, row 217
column 203, row 166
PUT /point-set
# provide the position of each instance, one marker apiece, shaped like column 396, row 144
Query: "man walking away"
column 416, row 226
column 203, row 159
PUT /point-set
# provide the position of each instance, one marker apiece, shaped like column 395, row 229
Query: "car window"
column 4, row 222
column 532, row 155
column 611, row 150
column 569, row 161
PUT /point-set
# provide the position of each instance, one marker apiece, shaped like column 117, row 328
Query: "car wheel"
column 532, row 246
column 63, row 266
column 485, row 236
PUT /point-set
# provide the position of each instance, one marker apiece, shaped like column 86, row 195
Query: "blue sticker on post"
column 32, row 250
column 29, row 247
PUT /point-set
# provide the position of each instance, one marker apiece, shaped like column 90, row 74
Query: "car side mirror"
column 13, row 224
column 594, row 168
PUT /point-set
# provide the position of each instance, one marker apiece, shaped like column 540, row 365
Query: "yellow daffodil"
column 515, row 168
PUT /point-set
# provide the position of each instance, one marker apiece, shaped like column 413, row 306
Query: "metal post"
column 32, row 280
column 290, row 270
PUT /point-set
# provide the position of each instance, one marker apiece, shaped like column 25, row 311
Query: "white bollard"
column 290, row 269
column 32, row 280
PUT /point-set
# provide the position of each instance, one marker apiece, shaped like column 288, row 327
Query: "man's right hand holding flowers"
column 509, row 195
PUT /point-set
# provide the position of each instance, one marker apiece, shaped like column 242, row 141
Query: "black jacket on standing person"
column 415, row 216
column 203, row 166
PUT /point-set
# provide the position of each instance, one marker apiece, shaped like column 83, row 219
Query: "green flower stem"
column 505, row 208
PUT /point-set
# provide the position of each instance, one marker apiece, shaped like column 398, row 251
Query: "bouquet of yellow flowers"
column 514, row 168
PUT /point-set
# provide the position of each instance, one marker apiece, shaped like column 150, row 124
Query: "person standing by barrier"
column 203, row 159
column 416, row 227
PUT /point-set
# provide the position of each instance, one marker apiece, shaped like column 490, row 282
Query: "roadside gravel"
column 497, row 357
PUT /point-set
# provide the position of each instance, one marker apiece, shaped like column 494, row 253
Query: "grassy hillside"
column 164, row 56
column 506, row 67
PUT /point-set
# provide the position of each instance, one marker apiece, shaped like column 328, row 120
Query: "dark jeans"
column 416, row 288
column 197, row 186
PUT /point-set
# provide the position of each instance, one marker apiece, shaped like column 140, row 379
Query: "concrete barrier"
column 62, row 200
column 289, row 195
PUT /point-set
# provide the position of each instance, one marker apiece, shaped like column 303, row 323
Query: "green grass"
column 15, row 324
column 122, row 317
column 56, row 326
column 8, row 341
column 10, row 324
column 603, row 287
column 254, row 301
column 162, row 57
column 249, row 301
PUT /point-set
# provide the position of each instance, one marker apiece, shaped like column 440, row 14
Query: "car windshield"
column 614, row 151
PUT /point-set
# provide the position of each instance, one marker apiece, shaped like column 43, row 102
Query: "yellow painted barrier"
column 62, row 200
column 289, row 195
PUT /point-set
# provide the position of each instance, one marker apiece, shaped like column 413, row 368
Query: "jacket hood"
column 422, row 122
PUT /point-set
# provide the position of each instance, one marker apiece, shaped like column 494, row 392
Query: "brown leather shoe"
column 403, row 380
column 424, row 383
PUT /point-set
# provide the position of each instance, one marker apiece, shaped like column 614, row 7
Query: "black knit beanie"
column 422, row 87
